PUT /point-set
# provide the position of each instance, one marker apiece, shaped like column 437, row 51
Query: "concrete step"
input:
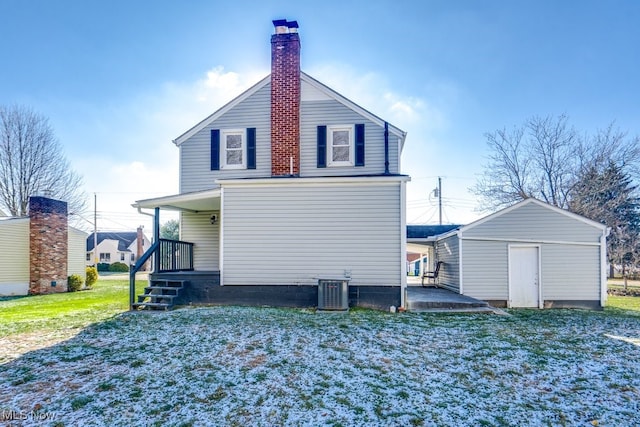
column 469, row 310
column 152, row 305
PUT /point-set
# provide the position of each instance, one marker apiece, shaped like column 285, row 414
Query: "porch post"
column 156, row 238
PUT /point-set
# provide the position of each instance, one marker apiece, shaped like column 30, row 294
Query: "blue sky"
column 120, row 79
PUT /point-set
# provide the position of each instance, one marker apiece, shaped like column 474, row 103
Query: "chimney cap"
column 283, row 26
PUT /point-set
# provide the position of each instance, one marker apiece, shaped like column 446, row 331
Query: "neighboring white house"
column 290, row 183
column 528, row 255
column 15, row 259
column 116, row 246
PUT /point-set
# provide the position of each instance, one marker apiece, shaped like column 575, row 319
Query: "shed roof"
column 426, row 231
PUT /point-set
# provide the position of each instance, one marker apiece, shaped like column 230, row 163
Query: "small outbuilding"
column 530, row 254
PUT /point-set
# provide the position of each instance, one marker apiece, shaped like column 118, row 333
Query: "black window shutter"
column 360, row 145
column 215, row 149
column 251, row 148
column 322, row 146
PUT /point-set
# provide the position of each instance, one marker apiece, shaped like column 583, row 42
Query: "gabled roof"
column 304, row 78
column 531, row 200
column 124, row 238
column 426, row 231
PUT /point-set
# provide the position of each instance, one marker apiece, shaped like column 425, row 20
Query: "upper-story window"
column 233, row 148
column 340, row 145
column 233, row 153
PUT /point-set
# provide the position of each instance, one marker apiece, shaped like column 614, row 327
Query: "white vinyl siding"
column 195, row 153
column 293, row 234
column 532, row 221
column 76, row 252
column 14, row 257
column 332, row 113
column 197, row 228
column 449, row 274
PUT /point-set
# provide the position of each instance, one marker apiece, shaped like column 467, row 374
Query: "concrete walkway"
column 438, row 300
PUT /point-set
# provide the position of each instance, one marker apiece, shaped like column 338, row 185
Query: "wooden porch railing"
column 168, row 256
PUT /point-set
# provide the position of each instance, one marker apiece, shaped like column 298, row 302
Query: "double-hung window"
column 340, row 146
column 233, row 149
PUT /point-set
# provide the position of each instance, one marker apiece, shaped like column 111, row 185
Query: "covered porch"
column 175, row 263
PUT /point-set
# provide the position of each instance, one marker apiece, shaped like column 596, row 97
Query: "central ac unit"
column 333, row 294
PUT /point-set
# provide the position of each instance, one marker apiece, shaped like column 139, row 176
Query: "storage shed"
column 531, row 254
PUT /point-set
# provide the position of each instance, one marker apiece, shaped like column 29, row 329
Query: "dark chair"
column 432, row 275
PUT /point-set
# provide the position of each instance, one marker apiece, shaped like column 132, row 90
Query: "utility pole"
column 437, row 192
column 440, row 200
column 95, row 229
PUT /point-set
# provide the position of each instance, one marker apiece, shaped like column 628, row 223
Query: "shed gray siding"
column 485, row 270
column 534, row 222
column 317, row 113
column 294, row 234
column 195, row 153
column 197, row 228
column 570, row 272
column 447, row 252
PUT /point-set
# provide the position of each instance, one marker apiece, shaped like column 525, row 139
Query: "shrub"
column 74, row 283
column 103, row 266
column 92, row 276
column 119, row 267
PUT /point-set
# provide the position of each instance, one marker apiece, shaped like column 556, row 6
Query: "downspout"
column 386, row 148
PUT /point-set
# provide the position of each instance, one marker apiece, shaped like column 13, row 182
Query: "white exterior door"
column 524, row 276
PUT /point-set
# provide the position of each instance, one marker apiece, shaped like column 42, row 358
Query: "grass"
column 265, row 366
column 65, row 310
column 623, row 303
column 111, row 297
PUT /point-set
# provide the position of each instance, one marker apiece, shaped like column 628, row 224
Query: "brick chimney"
column 285, row 99
column 48, row 245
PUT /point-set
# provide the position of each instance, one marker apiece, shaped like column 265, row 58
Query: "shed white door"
column 523, row 276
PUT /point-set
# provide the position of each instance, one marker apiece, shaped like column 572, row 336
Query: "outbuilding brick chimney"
column 285, row 99
column 48, row 245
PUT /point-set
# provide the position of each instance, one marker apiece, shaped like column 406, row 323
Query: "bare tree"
column 32, row 162
column 534, row 160
column 546, row 158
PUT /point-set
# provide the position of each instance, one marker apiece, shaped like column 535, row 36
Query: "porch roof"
column 199, row 201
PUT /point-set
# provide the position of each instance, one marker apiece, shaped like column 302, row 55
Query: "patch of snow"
column 262, row 366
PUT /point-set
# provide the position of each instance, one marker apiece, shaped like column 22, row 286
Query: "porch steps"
column 160, row 295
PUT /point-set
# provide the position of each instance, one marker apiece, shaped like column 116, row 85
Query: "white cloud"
column 132, row 156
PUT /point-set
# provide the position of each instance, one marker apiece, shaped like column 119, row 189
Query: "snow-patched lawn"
column 262, row 366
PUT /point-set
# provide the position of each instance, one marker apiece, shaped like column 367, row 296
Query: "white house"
column 116, row 246
column 287, row 184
